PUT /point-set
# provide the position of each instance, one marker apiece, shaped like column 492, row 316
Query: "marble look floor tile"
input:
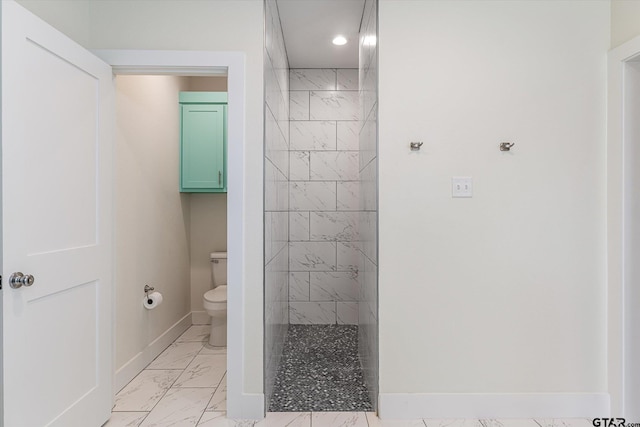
column 214, row 419
column 286, row 419
column 374, row 421
column 204, row 371
column 195, row 333
column 219, row 419
column 209, row 349
column 145, row 390
column 126, row 419
column 433, row 422
column 508, row 423
column 177, row 356
column 179, row 407
column 564, row 422
column 218, row 401
column 339, row 419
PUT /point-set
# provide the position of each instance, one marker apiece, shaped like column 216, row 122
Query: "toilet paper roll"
column 152, row 300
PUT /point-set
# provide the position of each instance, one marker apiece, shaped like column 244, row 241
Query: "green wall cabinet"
column 203, row 142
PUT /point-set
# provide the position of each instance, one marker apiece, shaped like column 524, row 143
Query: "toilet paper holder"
column 151, row 299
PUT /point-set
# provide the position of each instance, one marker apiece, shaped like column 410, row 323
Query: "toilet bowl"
column 215, row 300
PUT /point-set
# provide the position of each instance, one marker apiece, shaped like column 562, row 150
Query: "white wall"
column 504, row 292
column 625, row 21
column 623, row 243
column 222, row 25
column 208, row 84
column 71, row 17
column 152, row 218
column 225, row 25
column 632, row 240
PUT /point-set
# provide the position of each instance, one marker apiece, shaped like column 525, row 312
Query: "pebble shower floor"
column 320, row 371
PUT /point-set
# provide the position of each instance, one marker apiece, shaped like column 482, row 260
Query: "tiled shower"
column 320, row 199
column 323, row 196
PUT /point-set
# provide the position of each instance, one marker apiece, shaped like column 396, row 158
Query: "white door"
column 57, row 120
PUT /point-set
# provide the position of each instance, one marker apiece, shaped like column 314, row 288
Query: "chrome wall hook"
column 506, row 146
column 415, row 146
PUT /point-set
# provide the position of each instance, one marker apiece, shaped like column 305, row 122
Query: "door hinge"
column 0, row 281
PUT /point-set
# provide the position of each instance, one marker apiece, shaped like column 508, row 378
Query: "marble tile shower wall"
column 276, row 197
column 324, row 196
column 368, row 200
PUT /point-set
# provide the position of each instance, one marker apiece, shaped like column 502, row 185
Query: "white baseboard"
column 200, row 318
column 251, row 407
column 134, row 366
column 536, row 405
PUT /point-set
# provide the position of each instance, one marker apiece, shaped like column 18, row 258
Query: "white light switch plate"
column 461, row 186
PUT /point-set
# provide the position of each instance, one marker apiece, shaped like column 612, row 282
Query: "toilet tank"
column 218, row 268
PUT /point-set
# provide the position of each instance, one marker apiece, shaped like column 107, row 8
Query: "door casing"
column 623, row 323
column 210, row 63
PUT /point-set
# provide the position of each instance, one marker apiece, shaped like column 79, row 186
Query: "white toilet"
column 215, row 300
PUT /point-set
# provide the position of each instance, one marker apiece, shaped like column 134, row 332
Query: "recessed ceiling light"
column 339, row 40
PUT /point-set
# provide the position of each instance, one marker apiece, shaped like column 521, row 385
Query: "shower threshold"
column 320, row 371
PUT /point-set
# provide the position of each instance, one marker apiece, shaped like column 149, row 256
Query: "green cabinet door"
column 203, row 148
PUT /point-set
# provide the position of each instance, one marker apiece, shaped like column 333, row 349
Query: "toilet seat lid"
column 218, row 294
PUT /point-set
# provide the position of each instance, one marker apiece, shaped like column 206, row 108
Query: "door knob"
column 17, row 280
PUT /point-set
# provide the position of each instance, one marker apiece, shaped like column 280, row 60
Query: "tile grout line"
column 166, row 391
column 214, row 393
column 145, row 417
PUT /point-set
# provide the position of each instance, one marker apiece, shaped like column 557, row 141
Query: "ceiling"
column 309, row 26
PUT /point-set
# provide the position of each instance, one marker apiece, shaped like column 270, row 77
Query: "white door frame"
column 203, row 63
column 618, row 367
